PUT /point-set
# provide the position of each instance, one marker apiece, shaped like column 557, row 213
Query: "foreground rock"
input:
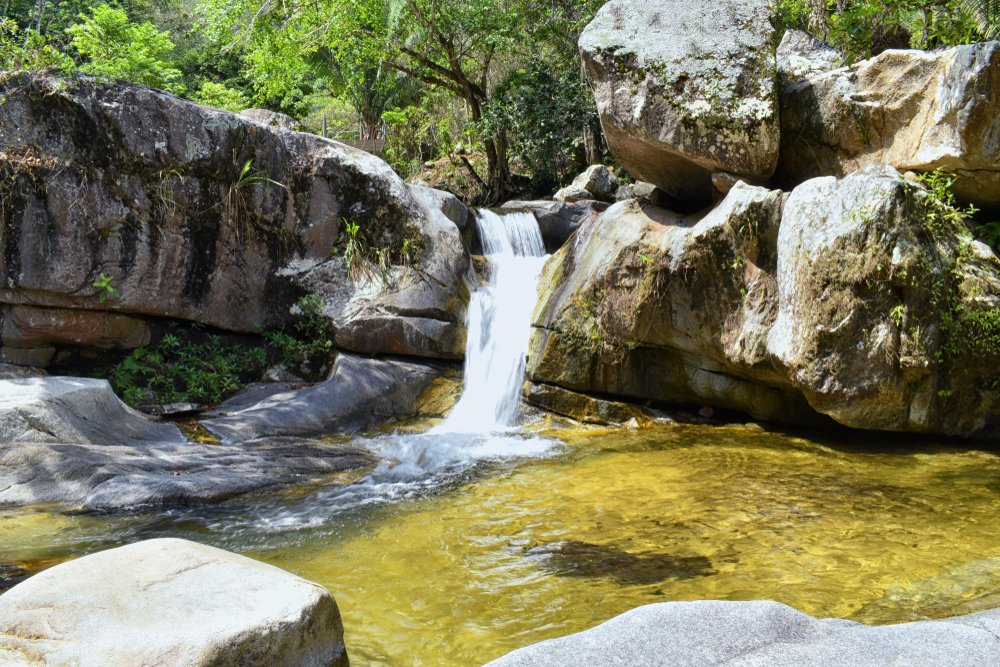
column 77, row 410
column 854, row 300
column 710, row 632
column 685, row 89
column 359, row 393
column 71, row 441
column 169, row 602
column 914, row 110
column 191, row 213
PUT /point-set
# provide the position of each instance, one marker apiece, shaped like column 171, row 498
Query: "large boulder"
column 71, row 441
column 686, row 89
column 359, row 393
column 914, row 110
column 715, row 632
column 119, row 199
column 857, row 299
column 169, row 602
column 801, row 55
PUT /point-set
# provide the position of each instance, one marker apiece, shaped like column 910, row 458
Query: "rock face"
column 914, row 110
column 851, row 300
column 685, row 89
column 192, row 213
column 359, row 393
column 71, row 441
column 711, row 632
column 169, row 602
column 801, row 55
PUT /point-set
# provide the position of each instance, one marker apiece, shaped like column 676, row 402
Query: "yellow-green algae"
column 873, row 530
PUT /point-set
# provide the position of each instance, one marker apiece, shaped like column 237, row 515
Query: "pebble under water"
column 447, row 560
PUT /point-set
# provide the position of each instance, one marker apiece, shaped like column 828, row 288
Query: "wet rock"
column 360, row 392
column 585, row 408
column 710, row 632
column 685, row 89
column 558, row 220
column 12, row 372
column 914, row 110
column 169, row 602
column 828, row 304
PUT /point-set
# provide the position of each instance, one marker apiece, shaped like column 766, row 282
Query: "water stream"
column 478, row 537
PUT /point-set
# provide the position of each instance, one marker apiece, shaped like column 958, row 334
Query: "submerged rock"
column 169, row 602
column 711, row 632
column 914, row 110
column 359, row 393
column 686, row 89
column 856, row 299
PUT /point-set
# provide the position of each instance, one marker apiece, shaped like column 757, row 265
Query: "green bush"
column 22, row 51
column 306, row 346
column 219, row 96
column 115, row 47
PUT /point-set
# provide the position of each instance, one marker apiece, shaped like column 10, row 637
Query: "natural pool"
column 460, row 565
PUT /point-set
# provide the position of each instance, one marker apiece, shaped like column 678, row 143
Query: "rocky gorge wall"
column 859, row 297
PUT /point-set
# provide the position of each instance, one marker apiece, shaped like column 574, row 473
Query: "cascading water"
column 482, row 425
column 498, row 322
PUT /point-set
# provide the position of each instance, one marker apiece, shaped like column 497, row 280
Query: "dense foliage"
column 499, row 78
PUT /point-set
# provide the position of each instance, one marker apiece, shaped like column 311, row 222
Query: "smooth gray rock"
column 169, row 602
column 573, row 193
column 447, row 203
column 359, row 393
column 74, row 410
column 599, row 181
column 765, row 634
column 107, row 478
column 274, row 119
column 685, row 89
column 558, row 220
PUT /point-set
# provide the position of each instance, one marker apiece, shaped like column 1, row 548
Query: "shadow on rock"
column 572, row 558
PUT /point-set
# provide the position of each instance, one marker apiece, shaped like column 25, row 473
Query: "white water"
column 499, row 322
column 482, row 426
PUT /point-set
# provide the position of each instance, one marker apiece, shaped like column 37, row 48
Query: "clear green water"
column 515, row 552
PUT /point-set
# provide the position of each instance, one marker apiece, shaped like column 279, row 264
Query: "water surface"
column 468, row 559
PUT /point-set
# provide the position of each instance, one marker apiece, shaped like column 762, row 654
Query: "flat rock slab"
column 712, row 632
column 169, row 602
column 108, row 478
column 74, row 410
column 360, row 392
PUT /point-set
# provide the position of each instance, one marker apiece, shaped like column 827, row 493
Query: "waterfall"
column 498, row 323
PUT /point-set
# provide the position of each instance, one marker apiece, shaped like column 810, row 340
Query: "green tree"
column 113, row 46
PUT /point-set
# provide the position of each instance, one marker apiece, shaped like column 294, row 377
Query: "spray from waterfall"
column 499, row 322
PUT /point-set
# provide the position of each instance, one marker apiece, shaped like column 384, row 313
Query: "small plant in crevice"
column 306, row 346
column 237, row 206
column 105, row 289
column 186, row 365
column 365, row 259
column 941, row 211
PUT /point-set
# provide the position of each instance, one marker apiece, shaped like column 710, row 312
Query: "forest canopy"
column 498, row 79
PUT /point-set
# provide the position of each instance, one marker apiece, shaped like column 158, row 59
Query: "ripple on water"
column 454, row 559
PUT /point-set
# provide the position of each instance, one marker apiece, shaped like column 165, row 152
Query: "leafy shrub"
column 22, row 51
column 219, row 96
column 116, row 48
column 187, row 367
column 306, row 347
